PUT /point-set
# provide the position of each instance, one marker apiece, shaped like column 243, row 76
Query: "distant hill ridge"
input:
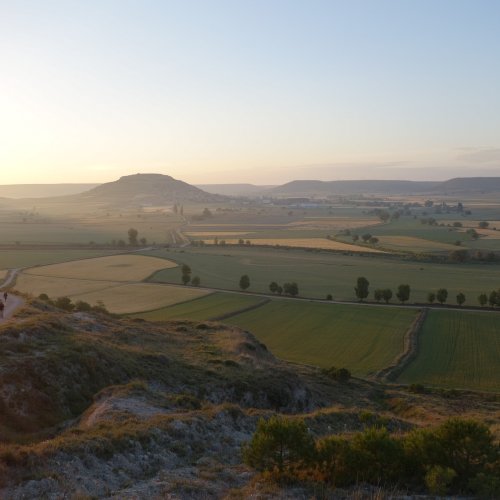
column 149, row 189
column 456, row 185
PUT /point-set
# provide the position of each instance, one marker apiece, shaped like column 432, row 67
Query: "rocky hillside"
column 96, row 406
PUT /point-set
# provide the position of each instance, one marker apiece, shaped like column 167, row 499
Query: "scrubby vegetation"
column 458, row 456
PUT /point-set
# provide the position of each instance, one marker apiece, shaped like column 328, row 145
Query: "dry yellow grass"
column 220, row 234
column 320, row 243
column 3, row 273
column 412, row 243
column 58, row 287
column 111, row 268
column 139, row 297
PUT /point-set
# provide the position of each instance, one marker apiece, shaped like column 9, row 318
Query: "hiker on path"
column 5, row 295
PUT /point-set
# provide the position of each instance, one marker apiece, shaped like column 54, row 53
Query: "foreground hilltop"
column 148, row 189
column 124, row 408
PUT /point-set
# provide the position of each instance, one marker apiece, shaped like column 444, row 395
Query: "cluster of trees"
column 186, row 276
column 458, row 457
column 66, row 304
column 133, row 239
column 362, row 290
column 291, row 289
column 367, row 238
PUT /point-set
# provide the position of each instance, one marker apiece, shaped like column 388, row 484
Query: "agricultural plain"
column 320, row 273
column 209, row 307
column 362, row 339
column 20, row 257
column 458, row 349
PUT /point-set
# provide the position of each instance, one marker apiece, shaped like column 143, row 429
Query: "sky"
column 259, row 91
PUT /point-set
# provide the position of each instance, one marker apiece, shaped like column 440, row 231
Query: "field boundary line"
column 230, row 314
column 410, row 350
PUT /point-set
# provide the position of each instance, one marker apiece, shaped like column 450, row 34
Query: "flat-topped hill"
column 148, row 189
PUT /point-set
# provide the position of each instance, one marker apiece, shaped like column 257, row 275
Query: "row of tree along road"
column 362, row 290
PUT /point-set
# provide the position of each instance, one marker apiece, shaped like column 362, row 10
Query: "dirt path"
column 13, row 302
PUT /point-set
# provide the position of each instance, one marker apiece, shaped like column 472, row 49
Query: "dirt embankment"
column 410, row 350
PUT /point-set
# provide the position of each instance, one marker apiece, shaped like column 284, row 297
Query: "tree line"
column 403, row 294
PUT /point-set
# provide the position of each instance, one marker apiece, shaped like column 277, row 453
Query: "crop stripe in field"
column 410, row 349
column 240, row 311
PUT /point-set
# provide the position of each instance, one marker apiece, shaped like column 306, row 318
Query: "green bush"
column 338, row 374
column 279, row 445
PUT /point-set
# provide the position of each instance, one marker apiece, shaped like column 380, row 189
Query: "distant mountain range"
column 154, row 189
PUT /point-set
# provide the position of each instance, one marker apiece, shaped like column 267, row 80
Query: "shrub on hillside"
column 279, row 445
column 338, row 374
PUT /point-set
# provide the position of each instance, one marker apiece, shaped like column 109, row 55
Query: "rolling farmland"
column 362, row 339
column 458, row 349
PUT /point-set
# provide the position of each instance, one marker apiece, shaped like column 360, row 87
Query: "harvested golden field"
column 320, row 243
column 413, row 243
column 58, row 287
column 334, row 223
column 118, row 297
column 3, row 273
column 125, row 267
column 139, row 297
column 208, row 234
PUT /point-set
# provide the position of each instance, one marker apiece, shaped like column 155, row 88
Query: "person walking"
column 5, row 295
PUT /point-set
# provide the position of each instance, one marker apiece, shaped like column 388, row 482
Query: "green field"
column 11, row 259
column 321, row 273
column 364, row 340
column 204, row 308
column 458, row 349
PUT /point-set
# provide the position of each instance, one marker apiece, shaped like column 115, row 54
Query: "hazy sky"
column 249, row 90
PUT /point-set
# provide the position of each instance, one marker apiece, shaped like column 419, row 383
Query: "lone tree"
column 244, row 282
column 483, row 224
column 482, row 299
column 366, row 237
column 273, row 286
column 196, row 281
column 493, row 298
column 442, row 295
column 186, row 274
column 387, row 295
column 460, row 298
column 132, row 236
column 291, row 289
column 362, row 288
column 378, row 294
column 403, row 293
column 431, row 297
column 278, row 444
